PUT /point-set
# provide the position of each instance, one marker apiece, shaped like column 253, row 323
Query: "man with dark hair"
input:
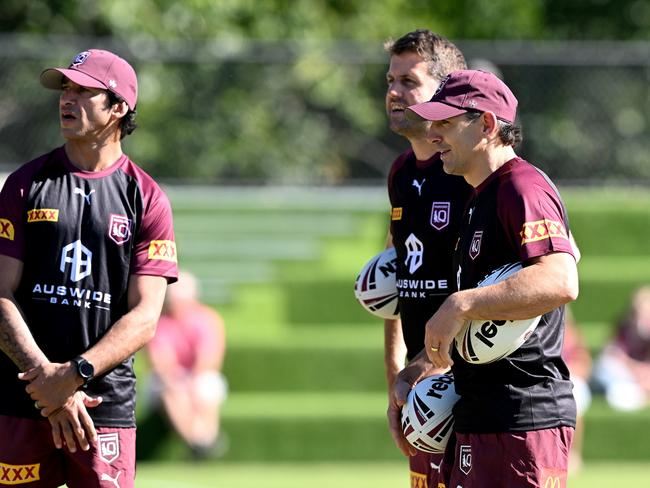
column 515, row 418
column 427, row 206
column 86, row 252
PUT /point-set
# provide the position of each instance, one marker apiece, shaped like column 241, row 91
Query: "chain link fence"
column 228, row 110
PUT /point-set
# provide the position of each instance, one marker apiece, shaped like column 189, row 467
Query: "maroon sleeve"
column 12, row 207
column 155, row 246
column 533, row 218
column 400, row 161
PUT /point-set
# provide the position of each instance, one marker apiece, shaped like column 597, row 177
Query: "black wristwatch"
column 85, row 369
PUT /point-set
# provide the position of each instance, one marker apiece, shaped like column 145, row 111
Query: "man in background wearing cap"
column 86, row 252
column 515, row 419
column 427, row 207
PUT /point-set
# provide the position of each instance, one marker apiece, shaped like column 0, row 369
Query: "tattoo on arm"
column 16, row 340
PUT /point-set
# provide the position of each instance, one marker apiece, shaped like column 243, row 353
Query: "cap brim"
column 435, row 110
column 52, row 78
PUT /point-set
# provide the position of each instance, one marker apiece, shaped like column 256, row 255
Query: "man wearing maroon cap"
column 515, row 419
column 86, row 251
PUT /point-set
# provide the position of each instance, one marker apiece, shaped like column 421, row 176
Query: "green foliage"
column 292, row 91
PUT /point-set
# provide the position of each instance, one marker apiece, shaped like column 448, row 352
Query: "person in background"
column 186, row 356
column 622, row 369
column 427, row 206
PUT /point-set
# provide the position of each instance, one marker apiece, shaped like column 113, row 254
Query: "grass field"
column 351, row 475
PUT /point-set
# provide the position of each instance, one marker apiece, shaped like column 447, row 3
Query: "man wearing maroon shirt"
column 86, row 251
column 515, row 419
column 427, row 207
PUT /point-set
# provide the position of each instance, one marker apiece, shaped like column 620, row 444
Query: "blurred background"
column 265, row 123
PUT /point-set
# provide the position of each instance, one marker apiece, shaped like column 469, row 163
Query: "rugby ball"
column 376, row 285
column 427, row 419
column 486, row 341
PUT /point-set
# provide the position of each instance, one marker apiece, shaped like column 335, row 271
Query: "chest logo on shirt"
column 418, row 185
column 440, row 215
column 119, row 229
column 80, row 191
column 542, row 229
column 475, row 246
column 162, row 251
column 396, row 213
column 6, row 229
column 79, row 257
column 43, row 215
column 415, row 251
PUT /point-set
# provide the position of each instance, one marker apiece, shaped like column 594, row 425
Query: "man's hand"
column 51, row 384
column 399, row 392
column 418, row 368
column 440, row 332
column 71, row 423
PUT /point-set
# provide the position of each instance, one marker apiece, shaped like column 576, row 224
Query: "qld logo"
column 108, row 446
column 475, row 246
column 80, row 58
column 465, row 455
column 440, row 215
column 119, row 229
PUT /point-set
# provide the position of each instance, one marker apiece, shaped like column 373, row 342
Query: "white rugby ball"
column 376, row 285
column 486, row 341
column 427, row 419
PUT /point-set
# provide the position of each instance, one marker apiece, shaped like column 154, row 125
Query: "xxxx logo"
column 542, row 229
column 16, row 474
column 6, row 229
column 43, row 215
column 418, row 480
column 162, row 250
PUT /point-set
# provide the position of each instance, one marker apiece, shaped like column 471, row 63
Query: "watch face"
column 86, row 370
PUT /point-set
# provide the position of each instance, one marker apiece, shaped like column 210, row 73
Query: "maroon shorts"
column 425, row 469
column 533, row 459
column 28, row 456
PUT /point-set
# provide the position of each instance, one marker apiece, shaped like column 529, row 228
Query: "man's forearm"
column 16, row 340
column 394, row 350
column 123, row 339
column 550, row 282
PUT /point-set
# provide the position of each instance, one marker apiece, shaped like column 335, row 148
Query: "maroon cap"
column 96, row 68
column 469, row 90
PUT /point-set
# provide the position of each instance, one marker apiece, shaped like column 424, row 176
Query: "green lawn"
column 341, row 475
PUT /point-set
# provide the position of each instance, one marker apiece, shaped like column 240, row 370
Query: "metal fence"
column 584, row 107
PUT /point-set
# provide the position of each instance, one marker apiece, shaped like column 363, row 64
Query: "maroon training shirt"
column 80, row 235
column 515, row 215
column 427, row 209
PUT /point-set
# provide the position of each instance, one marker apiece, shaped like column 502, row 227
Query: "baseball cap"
column 468, row 91
column 96, row 68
